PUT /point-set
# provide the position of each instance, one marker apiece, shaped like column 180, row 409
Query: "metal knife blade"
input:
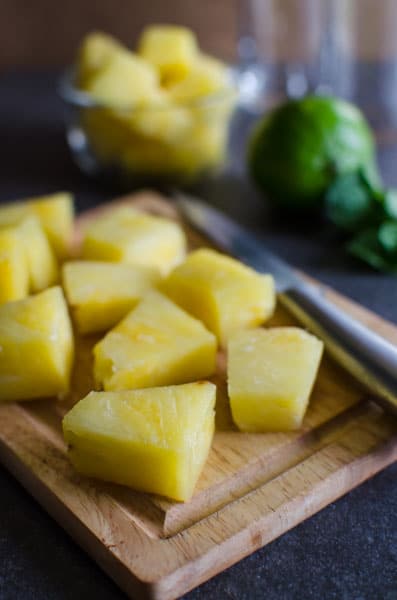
column 238, row 241
column 370, row 358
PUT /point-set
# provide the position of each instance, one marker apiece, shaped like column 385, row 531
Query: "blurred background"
column 348, row 47
column 279, row 48
column 43, row 33
column 40, row 33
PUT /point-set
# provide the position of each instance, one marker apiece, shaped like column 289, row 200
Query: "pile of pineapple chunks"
column 161, row 315
column 163, row 110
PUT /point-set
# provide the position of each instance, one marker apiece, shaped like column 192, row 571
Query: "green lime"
column 299, row 148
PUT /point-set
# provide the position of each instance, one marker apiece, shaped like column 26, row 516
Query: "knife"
column 371, row 359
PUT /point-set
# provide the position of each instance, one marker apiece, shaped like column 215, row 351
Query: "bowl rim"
column 78, row 98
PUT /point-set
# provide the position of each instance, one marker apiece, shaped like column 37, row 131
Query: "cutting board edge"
column 220, row 556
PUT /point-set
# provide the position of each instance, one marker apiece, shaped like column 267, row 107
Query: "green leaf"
column 366, row 246
column 371, row 180
column 350, row 203
column 390, row 203
column 387, row 236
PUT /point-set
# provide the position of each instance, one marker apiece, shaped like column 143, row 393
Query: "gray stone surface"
column 348, row 551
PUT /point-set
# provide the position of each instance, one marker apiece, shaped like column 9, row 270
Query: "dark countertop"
column 347, row 551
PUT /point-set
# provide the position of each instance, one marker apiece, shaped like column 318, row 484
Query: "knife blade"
column 370, row 358
column 238, row 241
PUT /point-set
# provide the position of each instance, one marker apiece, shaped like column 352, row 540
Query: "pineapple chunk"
column 42, row 264
column 14, row 275
column 55, row 213
column 207, row 147
column 156, row 344
column 106, row 131
column 271, row 373
column 151, row 157
column 171, row 49
column 200, row 147
column 102, row 293
column 93, row 53
column 155, row 440
column 222, row 292
column 36, row 347
column 164, row 122
column 126, row 235
column 124, row 80
column 207, row 76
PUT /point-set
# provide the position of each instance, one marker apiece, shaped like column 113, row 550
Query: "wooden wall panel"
column 46, row 33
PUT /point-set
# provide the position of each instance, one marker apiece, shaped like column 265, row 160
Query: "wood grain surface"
column 254, row 487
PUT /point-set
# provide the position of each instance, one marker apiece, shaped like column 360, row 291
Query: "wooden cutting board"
column 254, row 486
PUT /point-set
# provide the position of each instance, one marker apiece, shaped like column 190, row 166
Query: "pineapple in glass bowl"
column 161, row 114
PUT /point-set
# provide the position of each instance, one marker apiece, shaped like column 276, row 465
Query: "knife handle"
column 371, row 359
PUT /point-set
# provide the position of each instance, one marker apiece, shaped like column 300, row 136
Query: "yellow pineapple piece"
column 106, row 131
column 127, row 235
column 207, row 146
column 123, row 80
column 36, row 347
column 41, row 261
column 93, row 53
column 164, row 122
column 271, row 373
column 155, row 440
column 147, row 157
column 156, row 344
column 174, row 140
column 206, row 77
column 170, row 48
column 102, row 293
column 211, row 144
column 55, row 213
column 14, row 275
column 222, row 292
column 110, row 131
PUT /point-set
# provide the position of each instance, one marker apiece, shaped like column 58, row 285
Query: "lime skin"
column 300, row 147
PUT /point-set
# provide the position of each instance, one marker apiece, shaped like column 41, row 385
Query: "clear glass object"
column 282, row 49
column 364, row 45
column 154, row 144
column 288, row 48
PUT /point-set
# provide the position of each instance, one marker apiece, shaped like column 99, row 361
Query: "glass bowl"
column 172, row 144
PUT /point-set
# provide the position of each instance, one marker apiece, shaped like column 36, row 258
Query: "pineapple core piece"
column 127, row 235
column 14, row 275
column 222, row 292
column 171, row 49
column 154, row 440
column 102, row 293
column 55, row 213
column 156, row 344
column 270, row 376
column 36, row 347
